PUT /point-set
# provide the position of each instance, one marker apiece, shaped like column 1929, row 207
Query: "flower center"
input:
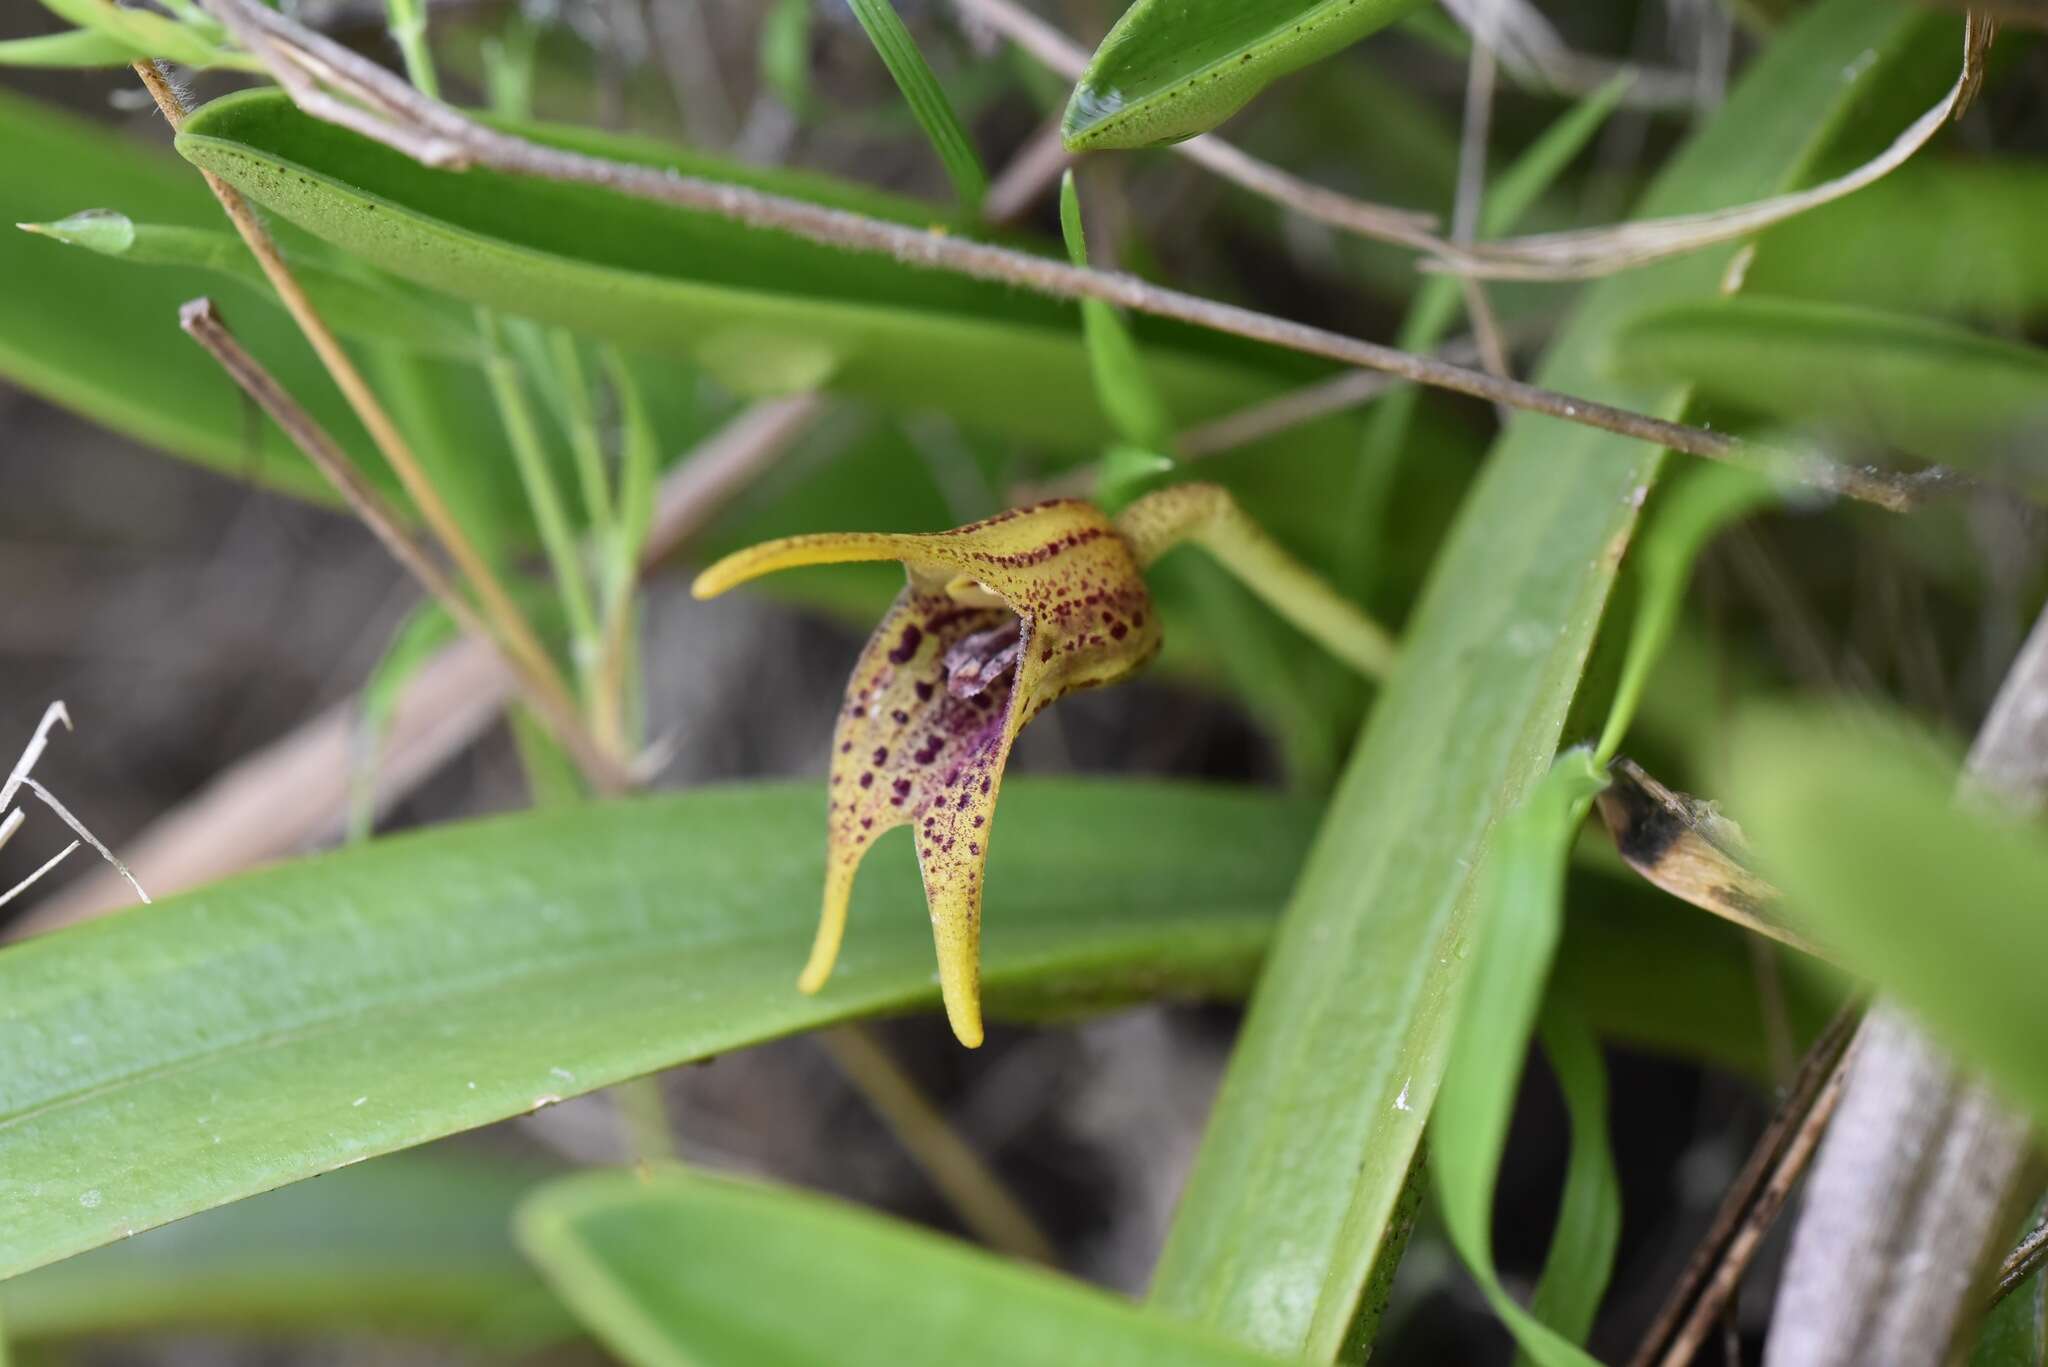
column 975, row 662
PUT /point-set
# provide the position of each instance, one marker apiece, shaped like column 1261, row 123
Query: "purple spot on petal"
column 881, row 754
column 867, row 780
column 906, row 646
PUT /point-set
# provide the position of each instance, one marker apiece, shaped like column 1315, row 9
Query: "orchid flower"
column 999, row 619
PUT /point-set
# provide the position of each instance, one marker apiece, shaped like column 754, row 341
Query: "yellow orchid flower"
column 999, row 619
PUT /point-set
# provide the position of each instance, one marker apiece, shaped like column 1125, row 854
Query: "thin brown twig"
column 510, row 623
column 1714, row 1270
column 984, row 1204
column 1471, row 192
column 391, row 112
column 553, row 704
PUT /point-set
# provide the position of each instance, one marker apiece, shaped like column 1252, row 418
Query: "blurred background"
column 193, row 622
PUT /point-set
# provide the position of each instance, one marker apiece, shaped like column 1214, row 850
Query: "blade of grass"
column 1435, row 310
column 1288, row 1204
column 926, row 98
column 1515, row 923
column 1581, row 1257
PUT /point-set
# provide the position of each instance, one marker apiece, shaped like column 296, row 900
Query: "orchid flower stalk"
column 999, row 619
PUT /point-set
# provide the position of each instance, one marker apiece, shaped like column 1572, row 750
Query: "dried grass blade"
column 1585, row 253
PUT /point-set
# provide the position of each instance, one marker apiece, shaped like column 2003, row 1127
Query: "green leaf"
column 671, row 1268
column 765, row 312
column 415, row 1244
column 148, row 34
column 1173, row 68
column 1930, row 389
column 425, row 630
column 1581, row 1258
column 1933, row 899
column 1954, row 239
column 1121, row 384
column 1515, row 922
column 314, row 1014
column 76, row 48
column 104, row 341
column 1290, row 1195
column 926, row 98
column 1695, row 510
column 785, row 55
column 1437, row 304
column 355, row 306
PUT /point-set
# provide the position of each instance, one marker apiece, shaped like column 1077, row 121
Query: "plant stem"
column 522, row 435
column 510, row 624
column 584, row 440
column 407, row 20
column 550, row 701
column 435, row 135
column 1207, row 515
column 976, row 1193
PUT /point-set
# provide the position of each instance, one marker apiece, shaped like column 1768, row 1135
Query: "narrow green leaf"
column 104, row 341
column 1437, row 305
column 1953, row 239
column 765, row 312
column 1290, row 1195
column 354, row 306
column 1695, row 510
column 413, row 1244
column 1121, row 384
column 670, row 1268
column 1173, row 68
column 1516, row 919
column 926, row 98
column 425, row 630
column 76, row 48
column 1129, row 471
column 1581, row 1258
column 1939, row 904
column 785, row 54
column 307, row 1016
column 1929, row 389
column 552, row 779
column 148, row 34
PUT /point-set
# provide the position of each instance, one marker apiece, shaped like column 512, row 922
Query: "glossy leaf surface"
column 301, row 1018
